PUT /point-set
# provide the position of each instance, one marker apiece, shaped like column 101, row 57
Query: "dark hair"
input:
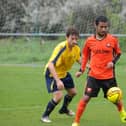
column 72, row 31
column 101, row 19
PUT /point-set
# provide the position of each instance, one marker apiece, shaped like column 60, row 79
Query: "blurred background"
column 30, row 29
column 54, row 16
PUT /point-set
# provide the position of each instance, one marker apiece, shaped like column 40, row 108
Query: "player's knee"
column 74, row 93
column 58, row 97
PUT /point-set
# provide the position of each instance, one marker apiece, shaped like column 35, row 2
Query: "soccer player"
column 57, row 76
column 102, row 51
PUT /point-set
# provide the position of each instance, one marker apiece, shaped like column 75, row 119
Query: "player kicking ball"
column 102, row 51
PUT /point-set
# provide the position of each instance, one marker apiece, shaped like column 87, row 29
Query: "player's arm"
column 117, row 51
column 116, row 58
column 84, row 60
column 113, row 62
column 56, row 56
column 79, row 59
column 116, row 54
column 52, row 70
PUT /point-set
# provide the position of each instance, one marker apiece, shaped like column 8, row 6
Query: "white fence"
column 46, row 35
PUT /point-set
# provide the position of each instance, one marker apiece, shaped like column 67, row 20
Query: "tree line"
column 54, row 16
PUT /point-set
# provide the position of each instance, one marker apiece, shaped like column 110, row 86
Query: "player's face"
column 72, row 40
column 102, row 28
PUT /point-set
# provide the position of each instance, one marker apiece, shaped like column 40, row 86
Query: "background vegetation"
column 54, row 16
column 30, row 50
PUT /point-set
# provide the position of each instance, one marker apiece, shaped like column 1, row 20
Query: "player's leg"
column 91, row 90
column 57, row 96
column 80, row 109
column 67, row 99
column 121, row 110
column 71, row 92
column 120, row 107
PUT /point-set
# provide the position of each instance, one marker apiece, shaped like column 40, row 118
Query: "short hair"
column 101, row 19
column 72, row 31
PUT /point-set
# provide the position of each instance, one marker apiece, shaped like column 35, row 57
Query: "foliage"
column 83, row 17
column 55, row 16
column 113, row 10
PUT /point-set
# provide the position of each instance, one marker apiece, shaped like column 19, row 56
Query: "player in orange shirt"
column 102, row 51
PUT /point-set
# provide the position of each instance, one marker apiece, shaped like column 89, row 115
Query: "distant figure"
column 57, row 76
column 102, row 51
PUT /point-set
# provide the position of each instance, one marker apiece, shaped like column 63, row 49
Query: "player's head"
column 101, row 25
column 72, row 36
column 72, row 31
column 101, row 19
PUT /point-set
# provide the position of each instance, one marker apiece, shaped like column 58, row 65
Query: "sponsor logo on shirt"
column 108, row 45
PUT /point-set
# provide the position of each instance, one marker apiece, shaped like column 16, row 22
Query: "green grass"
column 23, row 97
column 25, row 50
column 37, row 50
column 23, row 94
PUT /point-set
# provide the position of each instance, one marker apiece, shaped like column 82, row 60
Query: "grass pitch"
column 23, row 98
column 23, row 94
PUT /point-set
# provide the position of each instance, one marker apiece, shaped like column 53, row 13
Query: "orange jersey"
column 100, row 53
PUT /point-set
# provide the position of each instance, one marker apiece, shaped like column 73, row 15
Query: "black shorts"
column 93, row 86
column 51, row 83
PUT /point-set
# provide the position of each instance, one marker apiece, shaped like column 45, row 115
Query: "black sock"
column 50, row 106
column 67, row 100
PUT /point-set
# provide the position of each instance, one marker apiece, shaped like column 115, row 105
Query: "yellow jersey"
column 64, row 58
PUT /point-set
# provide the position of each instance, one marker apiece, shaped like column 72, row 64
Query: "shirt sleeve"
column 85, row 56
column 117, row 47
column 56, row 55
column 117, row 51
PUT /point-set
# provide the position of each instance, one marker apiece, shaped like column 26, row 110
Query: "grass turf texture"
column 23, row 97
column 23, row 94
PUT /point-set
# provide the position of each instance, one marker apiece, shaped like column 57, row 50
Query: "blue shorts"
column 51, row 83
column 94, row 85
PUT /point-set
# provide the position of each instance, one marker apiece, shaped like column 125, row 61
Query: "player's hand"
column 78, row 73
column 60, row 84
column 110, row 65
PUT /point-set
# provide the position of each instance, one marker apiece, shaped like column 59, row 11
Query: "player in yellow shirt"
column 57, row 74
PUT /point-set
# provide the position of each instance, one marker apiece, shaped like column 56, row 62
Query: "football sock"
column 50, row 106
column 67, row 100
column 80, row 109
column 120, row 107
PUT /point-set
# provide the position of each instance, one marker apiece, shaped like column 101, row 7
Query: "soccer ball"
column 114, row 94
